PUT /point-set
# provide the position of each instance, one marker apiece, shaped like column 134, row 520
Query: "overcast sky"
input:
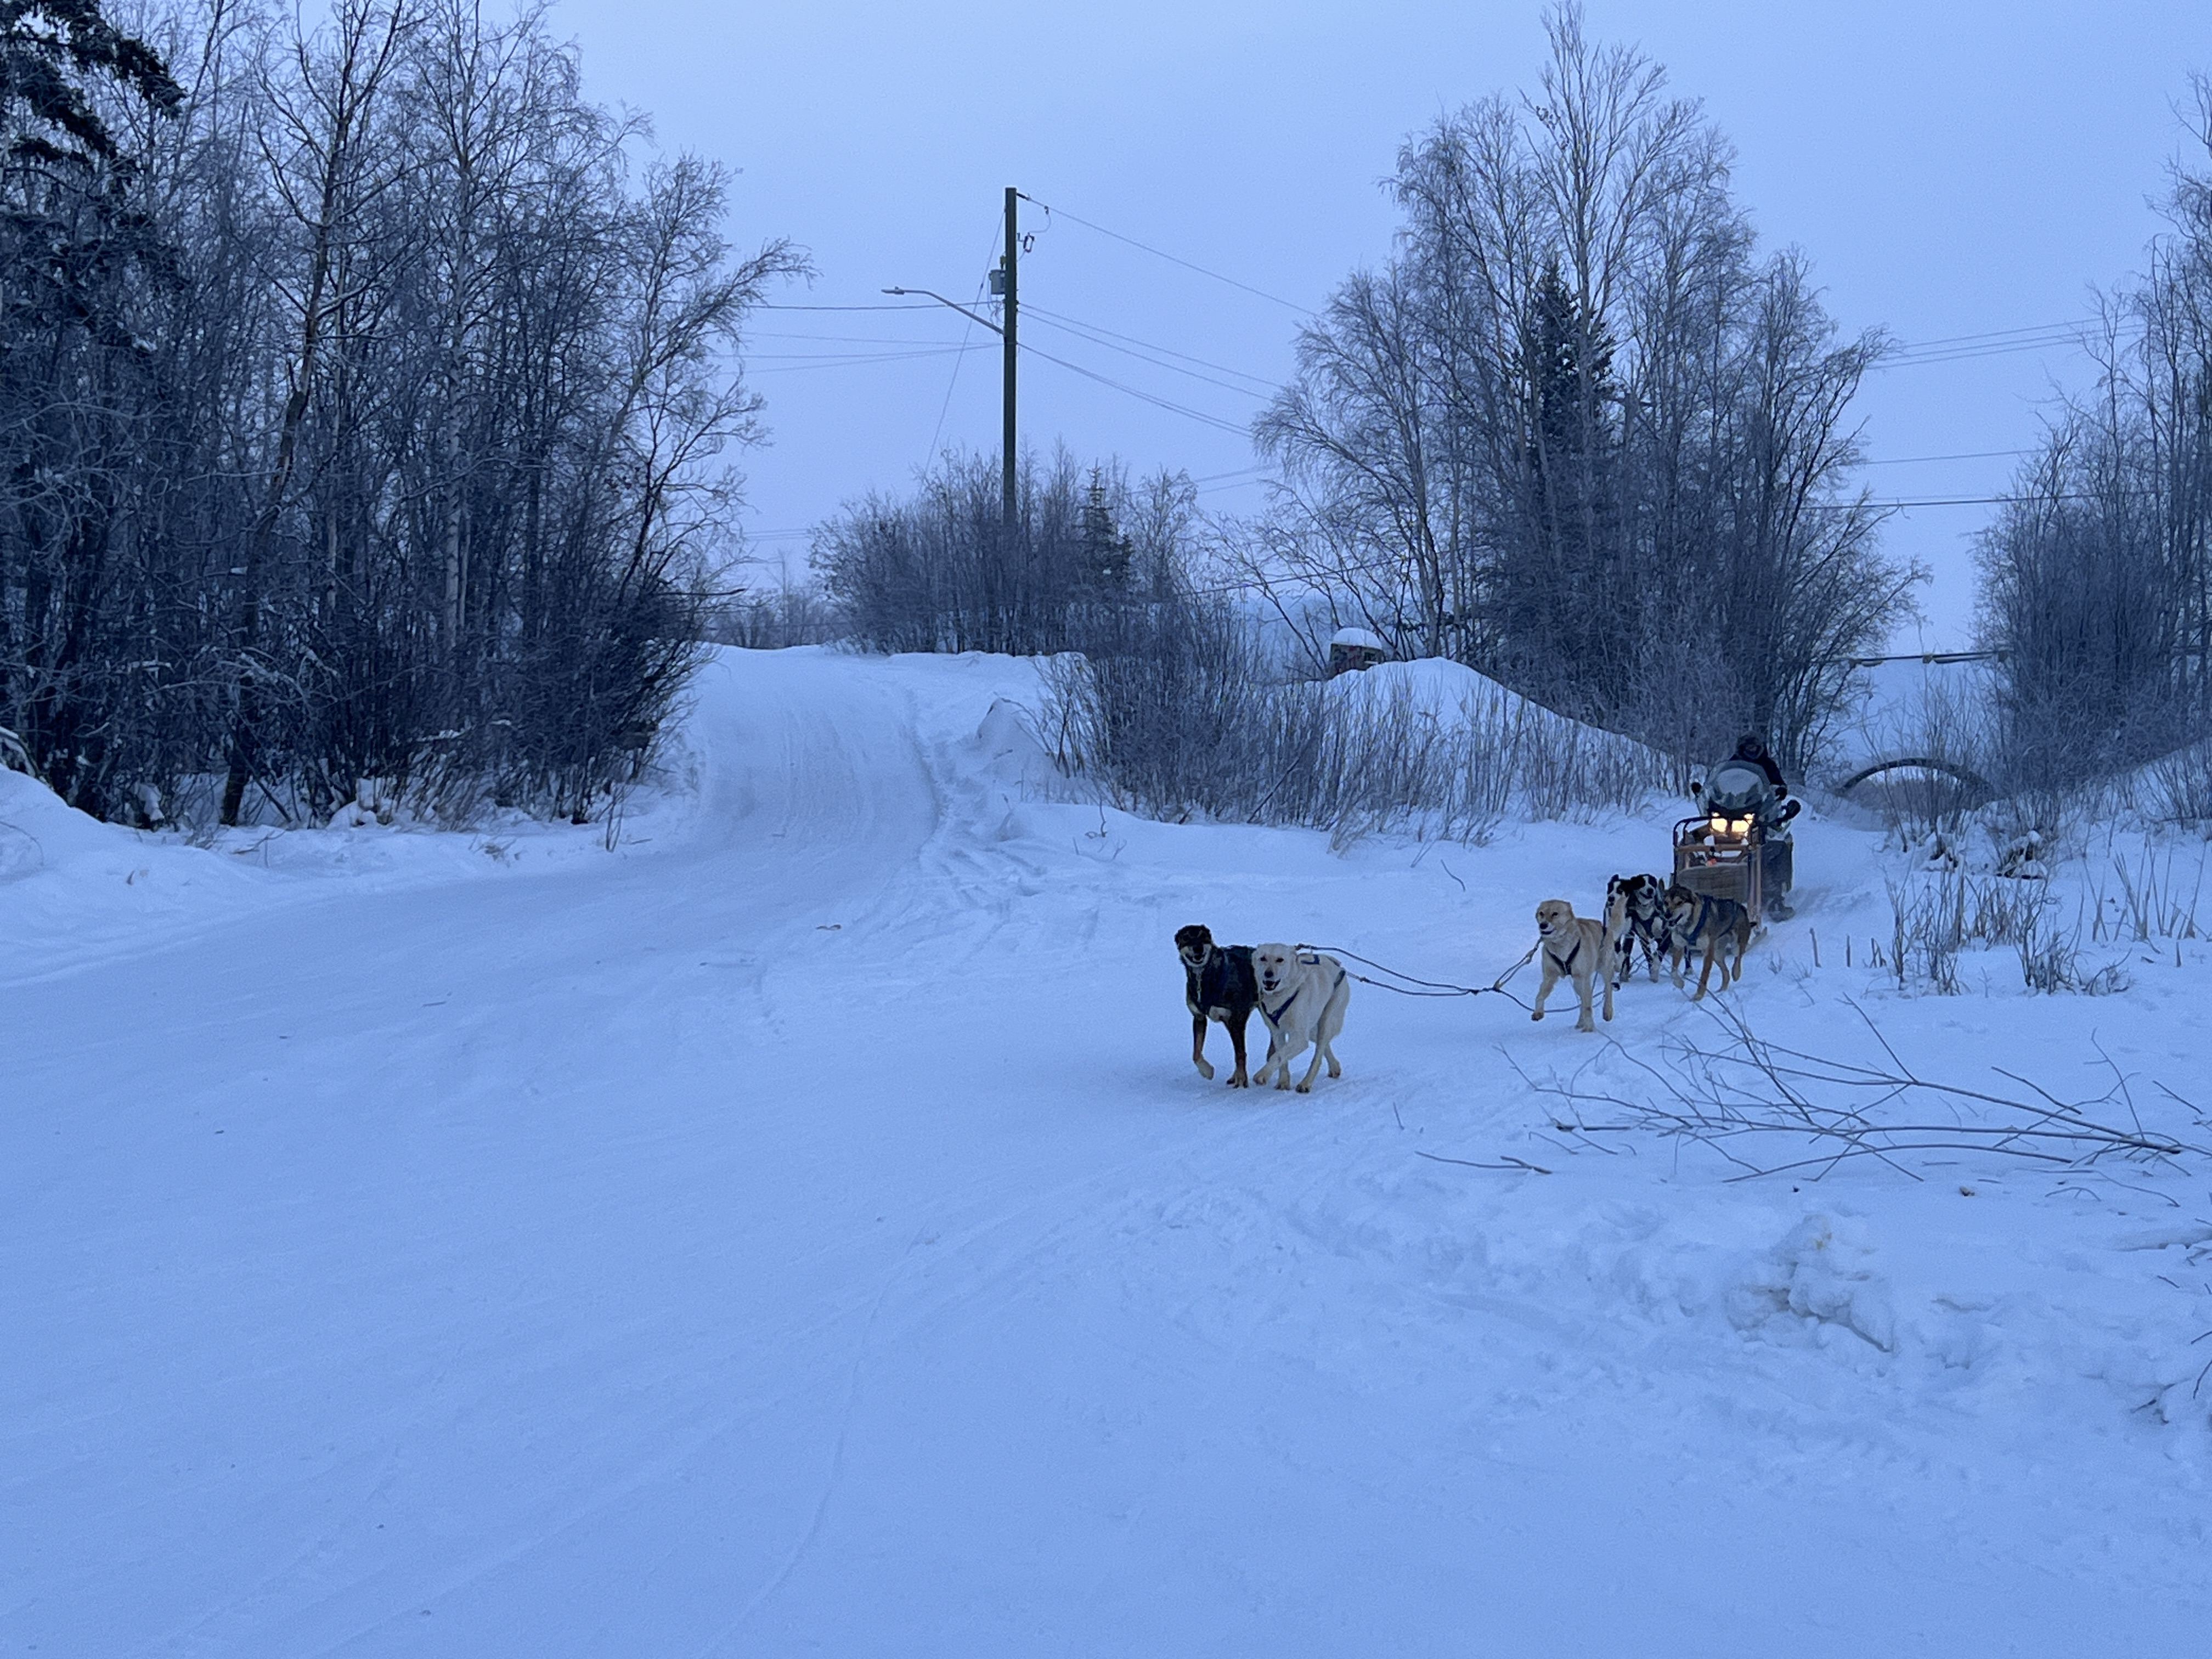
column 1952, row 169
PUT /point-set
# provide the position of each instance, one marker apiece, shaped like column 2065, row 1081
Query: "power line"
column 1969, row 455
column 800, row 363
column 1145, row 396
column 1143, row 351
column 848, row 339
column 1077, row 323
column 1175, row 259
column 2076, row 324
column 1146, row 357
column 893, row 350
column 1976, row 356
column 967, row 328
column 1996, row 342
column 1975, row 501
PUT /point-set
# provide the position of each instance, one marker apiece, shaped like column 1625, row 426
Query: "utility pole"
column 1008, row 287
column 1003, row 289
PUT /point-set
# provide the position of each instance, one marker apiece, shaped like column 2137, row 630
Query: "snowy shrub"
column 1928, row 930
column 1948, row 725
column 2051, row 962
column 774, row 618
column 2178, row 788
column 2149, row 899
column 941, row 570
column 1184, row 715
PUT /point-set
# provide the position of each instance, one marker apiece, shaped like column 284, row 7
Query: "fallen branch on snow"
column 1747, row 1094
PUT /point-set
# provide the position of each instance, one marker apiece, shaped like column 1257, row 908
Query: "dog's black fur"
column 1645, row 921
column 1218, row 984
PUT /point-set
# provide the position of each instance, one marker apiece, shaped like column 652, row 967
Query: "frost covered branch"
column 1771, row 1110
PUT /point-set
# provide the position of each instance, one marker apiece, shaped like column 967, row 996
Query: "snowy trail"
column 804, row 1233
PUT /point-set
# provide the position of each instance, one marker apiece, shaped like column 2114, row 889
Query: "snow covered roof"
column 1362, row 637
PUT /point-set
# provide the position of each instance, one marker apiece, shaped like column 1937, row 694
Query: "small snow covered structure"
column 1355, row 647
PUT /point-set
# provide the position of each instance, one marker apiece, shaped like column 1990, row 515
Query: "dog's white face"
column 1273, row 964
column 1554, row 916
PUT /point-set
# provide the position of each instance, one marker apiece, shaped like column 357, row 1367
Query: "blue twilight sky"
column 1952, row 169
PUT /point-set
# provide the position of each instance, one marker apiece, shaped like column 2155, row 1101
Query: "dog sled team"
column 1668, row 922
column 1301, row 994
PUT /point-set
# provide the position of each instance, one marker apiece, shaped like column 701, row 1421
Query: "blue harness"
column 1275, row 1015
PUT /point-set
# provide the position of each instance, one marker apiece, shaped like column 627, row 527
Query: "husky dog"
column 1573, row 947
column 1218, row 984
column 1701, row 922
column 1302, row 995
column 1636, row 913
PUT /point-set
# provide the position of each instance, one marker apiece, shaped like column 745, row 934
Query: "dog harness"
column 1705, row 909
column 1275, row 1015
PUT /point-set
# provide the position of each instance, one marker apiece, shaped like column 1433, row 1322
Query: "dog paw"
column 1305, row 1088
column 1206, row 1071
column 1539, row 1014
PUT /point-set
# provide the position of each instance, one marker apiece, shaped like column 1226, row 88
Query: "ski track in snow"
column 802, row 1231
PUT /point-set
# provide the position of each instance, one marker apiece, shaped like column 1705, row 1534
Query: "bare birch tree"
column 2098, row 574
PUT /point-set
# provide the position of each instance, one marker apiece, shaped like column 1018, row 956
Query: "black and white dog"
column 1218, row 984
column 1636, row 912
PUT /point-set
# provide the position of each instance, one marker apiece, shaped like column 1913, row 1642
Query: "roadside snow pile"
column 76, row 890
column 1512, row 754
column 1815, row 1281
column 38, row 832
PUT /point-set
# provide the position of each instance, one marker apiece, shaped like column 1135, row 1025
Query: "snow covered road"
column 802, row 1231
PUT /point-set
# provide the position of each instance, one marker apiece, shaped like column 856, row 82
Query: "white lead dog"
column 1302, row 995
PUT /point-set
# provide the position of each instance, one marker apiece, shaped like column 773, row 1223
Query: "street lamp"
column 1003, row 287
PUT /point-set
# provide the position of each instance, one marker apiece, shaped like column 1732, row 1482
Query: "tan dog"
column 1573, row 947
column 1699, row 922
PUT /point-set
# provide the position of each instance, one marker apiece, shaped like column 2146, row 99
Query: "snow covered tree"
column 76, row 380
column 1576, row 434
column 365, row 410
column 2098, row 574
